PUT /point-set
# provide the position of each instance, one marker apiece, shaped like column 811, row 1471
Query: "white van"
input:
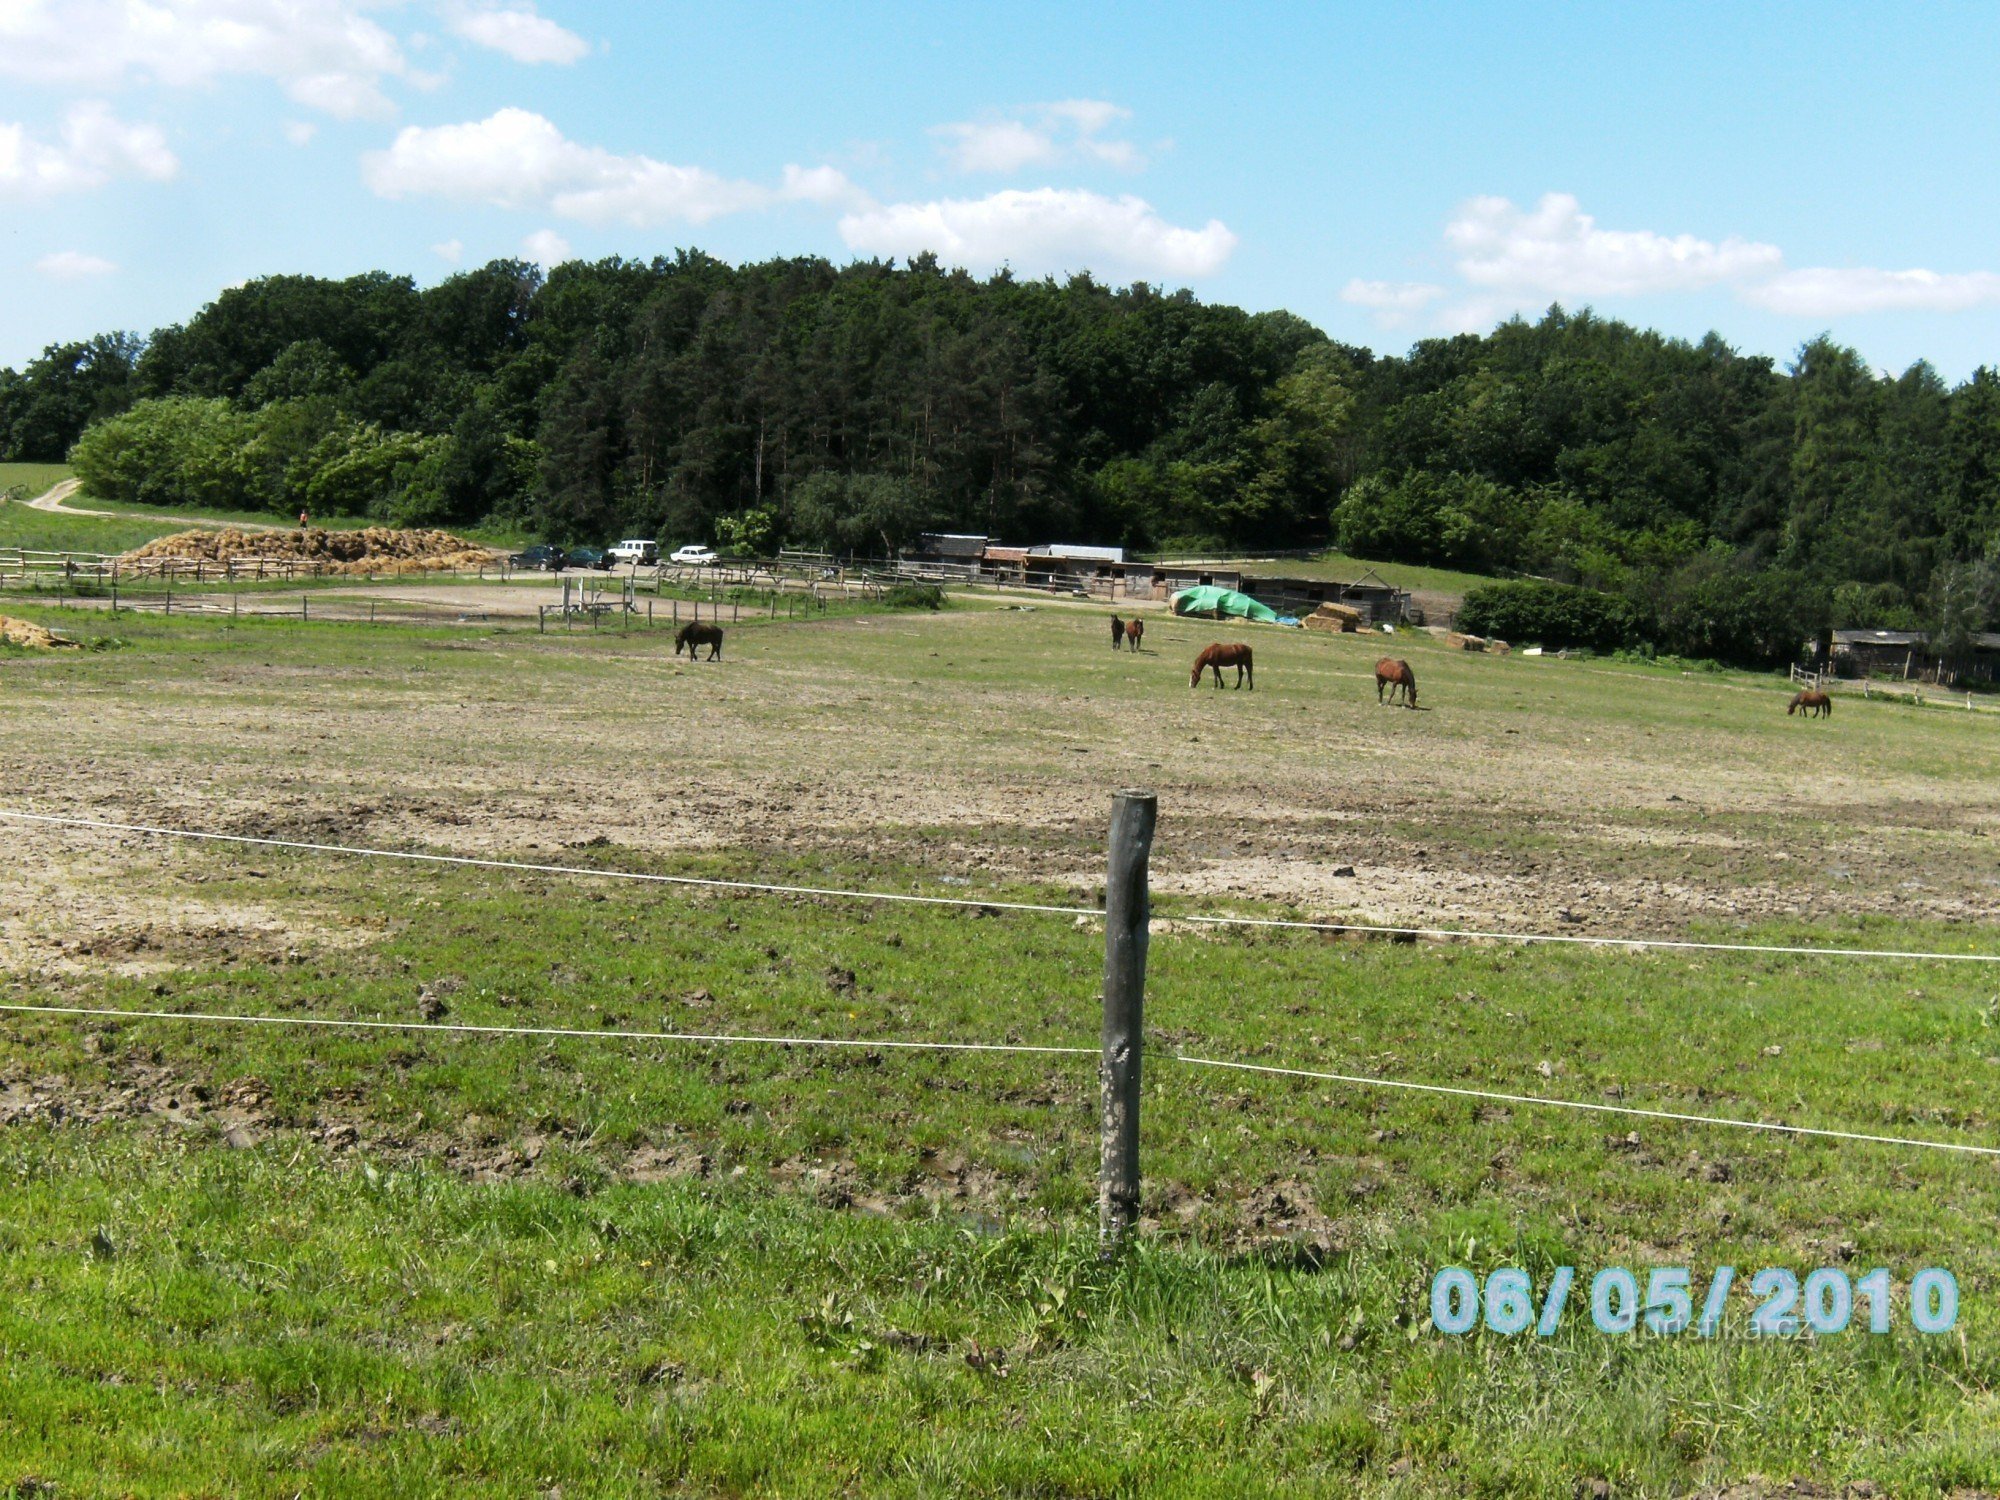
column 640, row 552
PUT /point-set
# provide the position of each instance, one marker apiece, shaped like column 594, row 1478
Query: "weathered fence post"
column 1127, row 919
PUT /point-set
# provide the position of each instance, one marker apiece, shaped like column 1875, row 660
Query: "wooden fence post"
column 1127, row 921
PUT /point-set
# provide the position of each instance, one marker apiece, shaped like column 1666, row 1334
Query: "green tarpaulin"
column 1208, row 601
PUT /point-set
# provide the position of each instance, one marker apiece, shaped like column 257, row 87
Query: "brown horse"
column 1395, row 676
column 1117, row 632
column 696, row 634
column 1135, row 630
column 1218, row 656
column 1815, row 703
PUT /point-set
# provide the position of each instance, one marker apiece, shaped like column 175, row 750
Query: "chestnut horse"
column 1117, row 632
column 1395, row 676
column 697, row 634
column 1813, row 701
column 1218, row 656
column 1134, row 630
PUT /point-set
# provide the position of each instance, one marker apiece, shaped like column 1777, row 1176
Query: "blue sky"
column 1389, row 172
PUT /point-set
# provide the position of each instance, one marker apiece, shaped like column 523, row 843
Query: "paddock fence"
column 1127, row 919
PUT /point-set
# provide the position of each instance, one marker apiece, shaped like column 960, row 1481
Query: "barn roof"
column 1879, row 638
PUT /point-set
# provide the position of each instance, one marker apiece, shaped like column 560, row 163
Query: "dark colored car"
column 548, row 559
column 589, row 557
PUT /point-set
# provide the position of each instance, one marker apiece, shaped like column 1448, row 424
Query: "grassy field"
column 133, row 525
column 259, row 1259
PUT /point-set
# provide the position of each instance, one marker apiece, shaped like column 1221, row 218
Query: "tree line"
column 1727, row 506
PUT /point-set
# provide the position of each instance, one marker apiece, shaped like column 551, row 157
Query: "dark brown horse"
column 696, row 634
column 1218, row 656
column 1813, row 701
column 1135, row 630
column 1395, row 676
column 1117, row 632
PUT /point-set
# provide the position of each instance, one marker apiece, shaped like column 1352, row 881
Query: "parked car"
column 545, row 558
column 692, row 556
column 641, row 553
column 588, row 557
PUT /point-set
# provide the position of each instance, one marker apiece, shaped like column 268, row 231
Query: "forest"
column 1662, row 494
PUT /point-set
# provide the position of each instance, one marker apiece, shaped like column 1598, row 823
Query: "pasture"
column 241, row 1259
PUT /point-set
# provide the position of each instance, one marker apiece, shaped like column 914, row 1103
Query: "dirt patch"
column 78, row 915
column 372, row 549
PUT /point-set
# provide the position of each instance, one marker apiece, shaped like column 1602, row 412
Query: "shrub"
column 913, row 596
column 1552, row 614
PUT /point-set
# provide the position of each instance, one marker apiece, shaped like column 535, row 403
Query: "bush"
column 913, row 596
column 1552, row 614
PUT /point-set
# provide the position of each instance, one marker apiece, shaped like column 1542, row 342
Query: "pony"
column 1218, row 656
column 1813, row 701
column 1395, row 676
column 1134, row 630
column 696, row 634
column 1117, row 632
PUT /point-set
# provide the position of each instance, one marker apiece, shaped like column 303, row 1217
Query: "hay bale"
column 27, row 633
column 1336, row 617
column 1459, row 642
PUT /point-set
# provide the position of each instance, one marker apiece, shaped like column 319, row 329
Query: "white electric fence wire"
column 834, row 893
column 603, row 1034
column 1606, row 1109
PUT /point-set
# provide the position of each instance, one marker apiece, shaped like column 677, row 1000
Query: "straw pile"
column 26, row 633
column 372, row 549
column 1339, row 618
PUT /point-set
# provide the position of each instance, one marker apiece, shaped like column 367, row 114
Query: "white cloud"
column 1041, row 135
column 326, row 54
column 1557, row 250
column 827, row 187
column 451, row 252
column 1513, row 258
column 517, row 159
column 96, row 146
column 74, row 265
column 300, row 132
column 546, row 248
column 1045, row 230
column 1827, row 291
column 517, row 31
column 1391, row 298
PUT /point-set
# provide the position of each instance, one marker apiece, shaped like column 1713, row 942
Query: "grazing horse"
column 1813, row 701
column 1218, row 656
column 1395, row 676
column 1135, row 629
column 696, row 634
column 1117, row 632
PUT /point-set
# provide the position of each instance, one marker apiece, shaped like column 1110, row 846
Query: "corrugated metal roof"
column 1879, row 638
column 1081, row 554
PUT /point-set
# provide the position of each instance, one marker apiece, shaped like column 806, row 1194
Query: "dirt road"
column 52, row 500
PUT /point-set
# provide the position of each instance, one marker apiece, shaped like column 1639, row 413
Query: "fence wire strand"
column 1632, row 944
column 1033, row 1049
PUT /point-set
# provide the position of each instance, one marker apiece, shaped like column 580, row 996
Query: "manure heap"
column 372, row 549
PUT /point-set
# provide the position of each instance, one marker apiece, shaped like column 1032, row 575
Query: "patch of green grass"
column 31, row 480
column 52, row 531
column 839, row 1230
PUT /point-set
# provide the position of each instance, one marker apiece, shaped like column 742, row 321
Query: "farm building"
column 1378, row 601
column 1906, row 654
column 1055, row 565
column 945, row 553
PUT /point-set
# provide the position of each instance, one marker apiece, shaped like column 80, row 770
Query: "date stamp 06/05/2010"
column 1824, row 1303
